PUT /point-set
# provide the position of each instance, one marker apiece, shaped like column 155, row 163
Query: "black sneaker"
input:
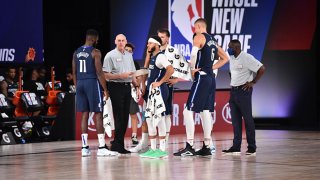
column 204, row 151
column 188, row 151
column 251, row 151
column 134, row 140
column 232, row 150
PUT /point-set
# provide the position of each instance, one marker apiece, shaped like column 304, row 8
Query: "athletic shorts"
column 202, row 94
column 170, row 101
column 89, row 96
column 134, row 107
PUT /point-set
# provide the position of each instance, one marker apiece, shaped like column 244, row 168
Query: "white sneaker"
column 106, row 152
column 85, row 152
column 212, row 149
column 139, row 148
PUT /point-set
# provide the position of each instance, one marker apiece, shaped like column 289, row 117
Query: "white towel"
column 155, row 106
column 108, row 119
column 180, row 65
column 134, row 93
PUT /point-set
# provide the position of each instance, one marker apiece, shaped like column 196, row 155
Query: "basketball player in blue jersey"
column 88, row 79
column 202, row 95
column 160, row 70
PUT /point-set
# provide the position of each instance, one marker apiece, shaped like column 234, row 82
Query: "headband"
column 154, row 41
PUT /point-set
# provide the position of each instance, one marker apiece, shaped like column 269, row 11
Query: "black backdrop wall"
column 65, row 25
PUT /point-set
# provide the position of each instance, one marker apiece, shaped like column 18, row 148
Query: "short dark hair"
column 165, row 31
column 9, row 68
column 92, row 32
column 236, row 42
column 157, row 38
column 130, row 45
column 201, row 20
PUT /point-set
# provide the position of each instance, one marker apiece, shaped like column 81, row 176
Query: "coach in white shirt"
column 243, row 66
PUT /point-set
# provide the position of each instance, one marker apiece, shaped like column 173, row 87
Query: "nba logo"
column 182, row 15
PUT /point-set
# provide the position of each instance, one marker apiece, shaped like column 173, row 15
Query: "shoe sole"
column 231, row 153
column 250, row 154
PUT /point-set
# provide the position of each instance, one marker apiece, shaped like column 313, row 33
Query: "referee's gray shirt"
column 116, row 62
column 242, row 68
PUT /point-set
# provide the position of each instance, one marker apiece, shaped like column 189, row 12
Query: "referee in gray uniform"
column 118, row 67
column 243, row 66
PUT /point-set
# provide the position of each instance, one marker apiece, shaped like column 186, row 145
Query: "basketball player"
column 168, row 50
column 160, row 70
column 202, row 95
column 88, row 78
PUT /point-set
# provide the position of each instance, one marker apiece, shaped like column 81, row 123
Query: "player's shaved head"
column 202, row 22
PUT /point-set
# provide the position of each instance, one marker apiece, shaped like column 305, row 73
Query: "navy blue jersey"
column 155, row 73
column 207, row 54
column 85, row 63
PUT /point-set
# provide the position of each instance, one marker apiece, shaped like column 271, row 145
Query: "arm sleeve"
column 162, row 61
column 252, row 63
column 107, row 63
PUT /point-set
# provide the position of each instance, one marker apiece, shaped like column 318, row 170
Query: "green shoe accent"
column 148, row 153
column 158, row 154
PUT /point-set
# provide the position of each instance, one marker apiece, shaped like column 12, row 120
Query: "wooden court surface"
column 280, row 155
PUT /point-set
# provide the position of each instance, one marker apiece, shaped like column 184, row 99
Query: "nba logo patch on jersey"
column 182, row 15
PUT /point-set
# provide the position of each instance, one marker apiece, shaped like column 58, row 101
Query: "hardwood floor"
column 280, row 155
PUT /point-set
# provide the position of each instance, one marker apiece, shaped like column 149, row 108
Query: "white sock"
column 168, row 127
column 189, row 122
column 145, row 138
column 167, row 137
column 134, row 135
column 102, row 141
column 84, row 138
column 168, row 123
column 206, row 120
column 153, row 143
column 162, row 144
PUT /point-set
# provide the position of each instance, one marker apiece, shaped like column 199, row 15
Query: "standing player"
column 202, row 95
column 171, row 53
column 160, row 70
column 87, row 72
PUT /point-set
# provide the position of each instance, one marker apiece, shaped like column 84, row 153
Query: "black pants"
column 241, row 106
column 120, row 94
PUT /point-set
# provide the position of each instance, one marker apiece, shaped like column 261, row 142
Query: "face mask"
column 231, row 51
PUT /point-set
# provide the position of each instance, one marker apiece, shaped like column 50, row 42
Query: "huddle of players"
column 201, row 98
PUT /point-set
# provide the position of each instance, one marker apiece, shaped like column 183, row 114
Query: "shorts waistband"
column 120, row 83
column 237, row 87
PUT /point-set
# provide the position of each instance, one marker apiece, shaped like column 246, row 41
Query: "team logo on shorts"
column 181, row 64
column 170, row 61
column 177, row 56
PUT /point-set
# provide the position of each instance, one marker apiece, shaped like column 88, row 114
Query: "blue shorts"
column 164, row 93
column 170, row 101
column 202, row 94
column 89, row 96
